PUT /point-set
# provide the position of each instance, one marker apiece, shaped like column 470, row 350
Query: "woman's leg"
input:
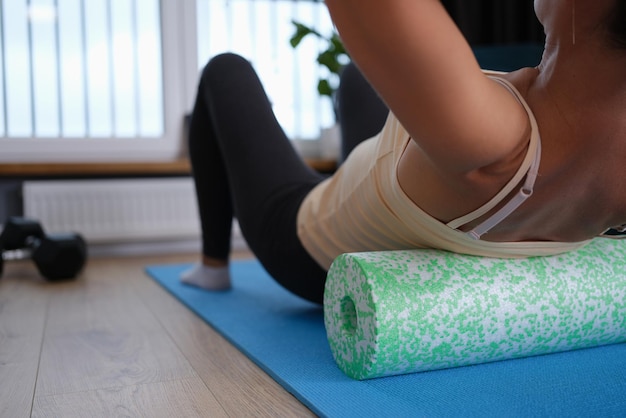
column 244, row 165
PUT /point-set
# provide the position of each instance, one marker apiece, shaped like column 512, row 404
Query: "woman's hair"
column 617, row 24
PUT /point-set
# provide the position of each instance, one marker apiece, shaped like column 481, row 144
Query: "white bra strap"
column 524, row 193
column 619, row 232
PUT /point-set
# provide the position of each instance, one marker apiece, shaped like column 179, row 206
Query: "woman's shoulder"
column 522, row 79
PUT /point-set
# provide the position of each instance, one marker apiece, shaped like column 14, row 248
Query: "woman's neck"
column 583, row 72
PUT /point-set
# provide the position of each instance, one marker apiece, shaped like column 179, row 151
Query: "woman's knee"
column 224, row 65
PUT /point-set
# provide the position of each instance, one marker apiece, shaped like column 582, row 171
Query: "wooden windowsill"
column 176, row 167
column 85, row 169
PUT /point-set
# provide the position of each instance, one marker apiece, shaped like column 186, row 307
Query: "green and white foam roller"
column 397, row 312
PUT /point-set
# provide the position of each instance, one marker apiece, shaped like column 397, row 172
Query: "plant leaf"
column 324, row 88
column 337, row 44
column 328, row 59
column 301, row 32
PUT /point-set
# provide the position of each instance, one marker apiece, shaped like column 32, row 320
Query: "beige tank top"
column 363, row 208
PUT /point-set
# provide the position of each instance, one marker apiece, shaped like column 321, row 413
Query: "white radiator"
column 111, row 211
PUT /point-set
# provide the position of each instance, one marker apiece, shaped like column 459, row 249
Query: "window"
column 260, row 31
column 111, row 80
column 91, row 80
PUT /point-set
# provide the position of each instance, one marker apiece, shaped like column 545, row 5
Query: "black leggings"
column 245, row 166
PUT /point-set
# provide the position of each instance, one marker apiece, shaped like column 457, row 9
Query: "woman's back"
column 582, row 118
column 466, row 148
column 578, row 193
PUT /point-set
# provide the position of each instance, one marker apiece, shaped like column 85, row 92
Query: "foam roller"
column 397, row 312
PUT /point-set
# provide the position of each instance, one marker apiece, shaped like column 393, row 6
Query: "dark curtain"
column 500, row 22
column 494, row 22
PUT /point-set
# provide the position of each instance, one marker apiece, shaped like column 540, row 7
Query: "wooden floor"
column 114, row 343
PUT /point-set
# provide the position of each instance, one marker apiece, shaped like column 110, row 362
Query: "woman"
column 505, row 165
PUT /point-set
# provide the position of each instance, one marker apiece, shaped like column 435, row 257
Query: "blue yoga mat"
column 285, row 336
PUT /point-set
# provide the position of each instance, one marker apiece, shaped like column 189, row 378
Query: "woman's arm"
column 416, row 58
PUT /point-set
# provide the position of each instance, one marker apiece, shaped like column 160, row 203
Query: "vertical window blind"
column 81, row 68
column 260, row 31
column 101, row 76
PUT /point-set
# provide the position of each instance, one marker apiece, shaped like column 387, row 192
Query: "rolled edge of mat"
column 397, row 312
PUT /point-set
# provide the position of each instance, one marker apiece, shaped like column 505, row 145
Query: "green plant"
column 333, row 57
